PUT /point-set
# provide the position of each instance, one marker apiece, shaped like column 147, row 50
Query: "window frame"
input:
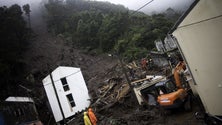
column 65, row 84
column 71, row 100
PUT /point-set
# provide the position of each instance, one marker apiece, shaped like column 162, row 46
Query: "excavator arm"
column 177, row 71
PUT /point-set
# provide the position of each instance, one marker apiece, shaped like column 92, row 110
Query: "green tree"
column 104, row 26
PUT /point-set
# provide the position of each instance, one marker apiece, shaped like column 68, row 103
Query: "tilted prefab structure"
column 66, row 91
column 199, row 39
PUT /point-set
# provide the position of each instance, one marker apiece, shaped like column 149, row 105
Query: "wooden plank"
column 141, row 80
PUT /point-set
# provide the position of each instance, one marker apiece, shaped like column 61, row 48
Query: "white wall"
column 77, row 87
column 159, row 45
column 169, row 43
column 200, row 39
column 146, row 83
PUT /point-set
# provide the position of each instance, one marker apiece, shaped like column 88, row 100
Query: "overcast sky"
column 155, row 6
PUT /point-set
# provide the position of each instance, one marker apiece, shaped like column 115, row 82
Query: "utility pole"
column 125, row 73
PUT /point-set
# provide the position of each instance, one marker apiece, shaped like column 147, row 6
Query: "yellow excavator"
column 174, row 92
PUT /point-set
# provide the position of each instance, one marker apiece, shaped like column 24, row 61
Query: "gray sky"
column 34, row 4
column 155, row 6
column 20, row 2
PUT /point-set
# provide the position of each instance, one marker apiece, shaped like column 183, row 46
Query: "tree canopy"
column 106, row 27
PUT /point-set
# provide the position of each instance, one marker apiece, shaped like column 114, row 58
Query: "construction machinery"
column 174, row 92
column 144, row 89
column 167, row 92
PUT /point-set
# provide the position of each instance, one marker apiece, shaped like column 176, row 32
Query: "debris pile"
column 111, row 93
column 115, row 104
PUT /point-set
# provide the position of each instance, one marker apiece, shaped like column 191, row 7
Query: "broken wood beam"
column 141, row 80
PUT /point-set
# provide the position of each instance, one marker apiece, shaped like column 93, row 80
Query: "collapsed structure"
column 66, row 91
column 18, row 111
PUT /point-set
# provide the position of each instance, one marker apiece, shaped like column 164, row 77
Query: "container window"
column 71, row 100
column 65, row 84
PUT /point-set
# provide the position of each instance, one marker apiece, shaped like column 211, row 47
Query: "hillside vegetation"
column 104, row 27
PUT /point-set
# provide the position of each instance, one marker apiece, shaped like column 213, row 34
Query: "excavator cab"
column 169, row 96
column 165, row 87
column 174, row 92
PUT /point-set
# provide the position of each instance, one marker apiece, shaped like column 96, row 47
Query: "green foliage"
column 106, row 27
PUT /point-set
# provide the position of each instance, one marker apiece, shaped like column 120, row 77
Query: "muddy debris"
column 115, row 103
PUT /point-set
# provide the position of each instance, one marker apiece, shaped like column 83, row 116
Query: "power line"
column 142, row 7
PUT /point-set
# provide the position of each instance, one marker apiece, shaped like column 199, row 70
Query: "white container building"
column 72, row 93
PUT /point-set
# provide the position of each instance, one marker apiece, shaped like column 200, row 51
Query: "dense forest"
column 104, row 27
column 14, row 41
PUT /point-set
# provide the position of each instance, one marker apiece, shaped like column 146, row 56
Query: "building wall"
column 199, row 37
column 18, row 112
column 169, row 43
column 52, row 100
column 77, row 88
column 159, row 45
column 159, row 59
